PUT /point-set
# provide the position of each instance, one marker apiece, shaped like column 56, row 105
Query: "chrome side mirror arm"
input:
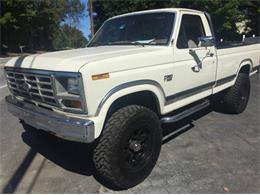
column 206, row 41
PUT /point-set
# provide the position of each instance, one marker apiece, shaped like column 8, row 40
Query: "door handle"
column 209, row 54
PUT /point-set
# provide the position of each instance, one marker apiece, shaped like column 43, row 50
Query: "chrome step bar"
column 185, row 113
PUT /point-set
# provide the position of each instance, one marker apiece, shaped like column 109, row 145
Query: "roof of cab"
column 157, row 10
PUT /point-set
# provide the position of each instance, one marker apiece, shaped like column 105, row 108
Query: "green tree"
column 107, row 9
column 225, row 13
column 34, row 23
column 69, row 37
column 252, row 12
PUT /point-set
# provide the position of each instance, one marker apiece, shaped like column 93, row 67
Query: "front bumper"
column 69, row 128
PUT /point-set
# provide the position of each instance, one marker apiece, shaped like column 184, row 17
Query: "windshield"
column 144, row 29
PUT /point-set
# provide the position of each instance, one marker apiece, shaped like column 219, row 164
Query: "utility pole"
column 90, row 10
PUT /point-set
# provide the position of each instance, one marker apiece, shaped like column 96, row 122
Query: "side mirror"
column 206, row 41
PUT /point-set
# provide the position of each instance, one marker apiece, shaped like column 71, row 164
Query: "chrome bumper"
column 69, row 128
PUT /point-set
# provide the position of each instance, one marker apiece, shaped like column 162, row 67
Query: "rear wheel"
column 129, row 146
column 236, row 98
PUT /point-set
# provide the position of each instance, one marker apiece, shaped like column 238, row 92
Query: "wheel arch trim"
column 243, row 63
column 130, row 85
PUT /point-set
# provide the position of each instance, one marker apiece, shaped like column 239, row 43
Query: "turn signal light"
column 75, row 104
column 100, row 76
column 72, row 103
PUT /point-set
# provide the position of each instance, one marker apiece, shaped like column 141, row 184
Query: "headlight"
column 73, row 86
column 69, row 92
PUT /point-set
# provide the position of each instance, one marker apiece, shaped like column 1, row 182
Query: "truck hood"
column 73, row 60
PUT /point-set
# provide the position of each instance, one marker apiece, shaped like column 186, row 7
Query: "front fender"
column 123, row 90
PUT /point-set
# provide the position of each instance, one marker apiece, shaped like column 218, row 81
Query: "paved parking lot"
column 210, row 152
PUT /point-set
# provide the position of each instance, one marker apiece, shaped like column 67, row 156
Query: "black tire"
column 236, row 98
column 129, row 147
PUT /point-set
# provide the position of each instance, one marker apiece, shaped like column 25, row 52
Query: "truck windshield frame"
column 138, row 29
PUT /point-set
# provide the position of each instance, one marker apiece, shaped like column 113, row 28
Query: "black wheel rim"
column 138, row 149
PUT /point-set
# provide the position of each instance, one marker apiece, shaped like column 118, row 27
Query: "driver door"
column 194, row 66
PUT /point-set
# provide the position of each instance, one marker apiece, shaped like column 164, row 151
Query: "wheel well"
column 143, row 98
column 245, row 69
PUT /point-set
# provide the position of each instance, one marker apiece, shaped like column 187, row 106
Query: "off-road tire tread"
column 109, row 136
column 231, row 98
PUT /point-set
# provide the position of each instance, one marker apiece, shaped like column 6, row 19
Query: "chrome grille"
column 32, row 86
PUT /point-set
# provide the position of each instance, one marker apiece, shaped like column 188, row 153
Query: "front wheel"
column 236, row 98
column 129, row 146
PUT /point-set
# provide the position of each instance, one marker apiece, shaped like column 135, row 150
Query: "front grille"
column 31, row 86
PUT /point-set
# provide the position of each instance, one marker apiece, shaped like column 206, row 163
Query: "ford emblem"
column 26, row 87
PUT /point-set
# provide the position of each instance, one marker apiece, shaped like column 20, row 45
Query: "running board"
column 185, row 113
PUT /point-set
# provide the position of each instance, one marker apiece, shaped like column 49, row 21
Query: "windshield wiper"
column 94, row 45
column 138, row 42
column 119, row 43
column 143, row 42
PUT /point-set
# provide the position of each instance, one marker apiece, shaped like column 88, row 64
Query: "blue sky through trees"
column 84, row 24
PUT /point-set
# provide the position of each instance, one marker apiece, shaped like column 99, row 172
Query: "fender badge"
column 168, row 77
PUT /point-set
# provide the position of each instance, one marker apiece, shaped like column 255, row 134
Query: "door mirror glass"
column 206, row 41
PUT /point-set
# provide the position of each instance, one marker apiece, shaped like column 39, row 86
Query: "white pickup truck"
column 116, row 92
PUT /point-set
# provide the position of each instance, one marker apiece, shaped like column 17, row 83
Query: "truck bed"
column 230, row 44
column 230, row 58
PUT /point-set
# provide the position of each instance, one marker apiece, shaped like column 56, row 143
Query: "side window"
column 190, row 30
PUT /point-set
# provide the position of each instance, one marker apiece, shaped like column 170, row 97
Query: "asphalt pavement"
column 2, row 78
column 210, row 152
